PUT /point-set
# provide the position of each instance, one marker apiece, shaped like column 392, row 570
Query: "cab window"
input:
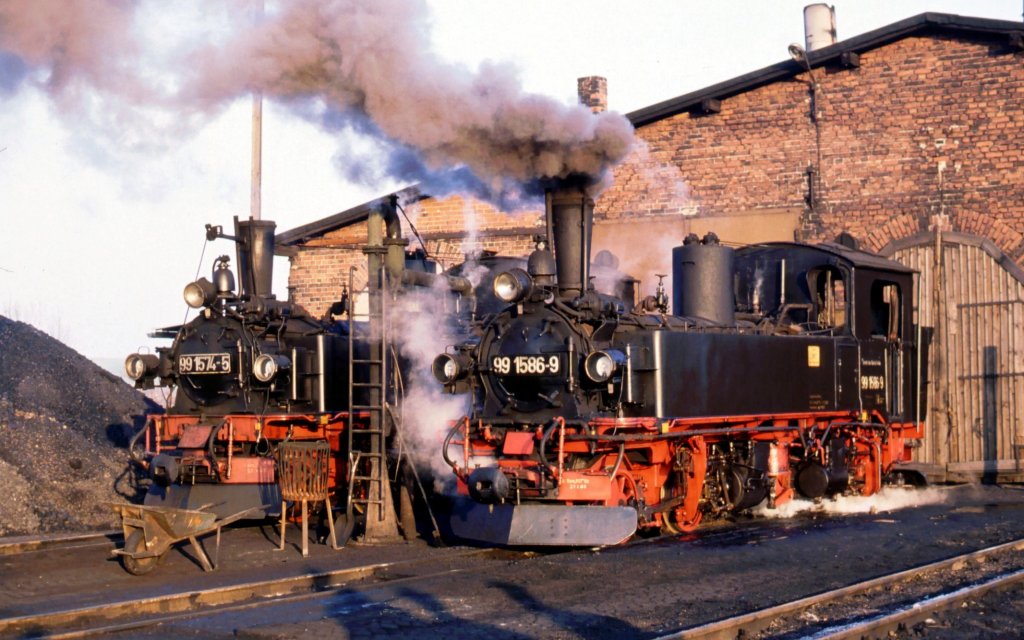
column 885, row 310
column 829, row 289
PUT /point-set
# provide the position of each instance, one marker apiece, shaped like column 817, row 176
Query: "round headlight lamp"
column 599, row 366
column 513, row 285
column 200, row 293
column 137, row 365
column 448, row 368
column 267, row 366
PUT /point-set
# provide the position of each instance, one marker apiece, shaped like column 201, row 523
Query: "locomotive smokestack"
column 570, row 221
column 255, row 249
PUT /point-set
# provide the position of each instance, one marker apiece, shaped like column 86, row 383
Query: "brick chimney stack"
column 593, row 92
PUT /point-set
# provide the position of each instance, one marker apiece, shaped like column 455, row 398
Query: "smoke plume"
column 79, row 42
column 361, row 65
column 372, row 61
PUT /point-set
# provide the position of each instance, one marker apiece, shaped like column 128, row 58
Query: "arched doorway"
column 973, row 295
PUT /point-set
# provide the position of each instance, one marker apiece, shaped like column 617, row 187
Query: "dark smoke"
column 372, row 61
column 365, row 65
column 78, row 43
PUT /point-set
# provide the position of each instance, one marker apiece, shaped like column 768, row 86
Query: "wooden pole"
column 255, row 203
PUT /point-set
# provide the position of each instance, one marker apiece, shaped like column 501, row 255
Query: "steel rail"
column 755, row 621
column 909, row 615
column 19, row 545
column 227, row 609
column 69, row 623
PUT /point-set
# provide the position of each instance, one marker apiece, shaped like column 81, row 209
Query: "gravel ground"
column 64, row 424
column 997, row 614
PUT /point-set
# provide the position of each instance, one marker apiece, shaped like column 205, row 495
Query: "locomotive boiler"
column 783, row 368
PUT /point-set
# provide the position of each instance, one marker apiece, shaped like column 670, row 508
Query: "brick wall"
column 319, row 271
column 885, row 130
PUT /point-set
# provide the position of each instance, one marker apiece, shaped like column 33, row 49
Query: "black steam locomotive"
column 249, row 372
column 784, row 368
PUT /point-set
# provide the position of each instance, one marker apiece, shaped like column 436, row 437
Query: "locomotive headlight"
column 200, row 293
column 267, row 366
column 600, row 365
column 138, row 365
column 448, row 368
column 513, row 285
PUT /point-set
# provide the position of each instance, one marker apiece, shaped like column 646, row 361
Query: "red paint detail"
column 251, row 469
column 575, row 486
column 518, row 443
column 195, row 436
column 689, row 515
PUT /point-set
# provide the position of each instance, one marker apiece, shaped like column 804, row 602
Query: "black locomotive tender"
column 782, row 368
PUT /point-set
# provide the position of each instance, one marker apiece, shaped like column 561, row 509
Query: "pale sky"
column 99, row 238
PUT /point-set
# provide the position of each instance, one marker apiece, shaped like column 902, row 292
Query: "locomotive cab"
column 857, row 297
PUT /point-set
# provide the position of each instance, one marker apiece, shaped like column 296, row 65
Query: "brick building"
column 906, row 138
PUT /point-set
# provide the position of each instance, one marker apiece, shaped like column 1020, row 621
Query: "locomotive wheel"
column 627, row 490
column 137, row 566
column 682, row 523
column 674, row 521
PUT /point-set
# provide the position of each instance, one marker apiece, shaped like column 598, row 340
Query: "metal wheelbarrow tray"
column 151, row 531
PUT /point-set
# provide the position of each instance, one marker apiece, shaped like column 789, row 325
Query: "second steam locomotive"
column 250, row 372
column 783, row 369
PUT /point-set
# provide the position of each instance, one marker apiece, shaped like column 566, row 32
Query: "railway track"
column 110, row 617
column 370, row 591
column 876, row 607
column 870, row 608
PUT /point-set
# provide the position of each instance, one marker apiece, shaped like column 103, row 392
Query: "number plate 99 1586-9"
column 198, row 363
column 543, row 365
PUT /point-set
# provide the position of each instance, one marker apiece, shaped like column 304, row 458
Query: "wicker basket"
column 302, row 469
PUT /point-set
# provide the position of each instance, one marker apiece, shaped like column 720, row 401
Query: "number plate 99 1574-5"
column 198, row 363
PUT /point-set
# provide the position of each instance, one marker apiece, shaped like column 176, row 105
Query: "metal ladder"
column 368, row 484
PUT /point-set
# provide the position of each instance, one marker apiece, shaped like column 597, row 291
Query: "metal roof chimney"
column 593, row 92
column 819, row 26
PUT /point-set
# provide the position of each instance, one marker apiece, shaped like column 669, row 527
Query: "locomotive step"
column 370, row 455
column 369, row 478
column 367, row 407
column 366, row 501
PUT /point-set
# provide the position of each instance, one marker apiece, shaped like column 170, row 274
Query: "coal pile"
column 64, row 427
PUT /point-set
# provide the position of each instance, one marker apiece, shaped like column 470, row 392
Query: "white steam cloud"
column 361, row 66
column 888, row 499
column 422, row 327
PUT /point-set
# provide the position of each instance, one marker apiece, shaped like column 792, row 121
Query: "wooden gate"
column 973, row 295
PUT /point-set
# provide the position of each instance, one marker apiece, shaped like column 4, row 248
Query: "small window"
column 885, row 310
column 830, row 298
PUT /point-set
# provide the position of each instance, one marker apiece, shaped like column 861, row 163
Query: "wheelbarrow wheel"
column 137, row 566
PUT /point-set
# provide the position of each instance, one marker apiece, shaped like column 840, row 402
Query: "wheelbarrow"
column 151, row 531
